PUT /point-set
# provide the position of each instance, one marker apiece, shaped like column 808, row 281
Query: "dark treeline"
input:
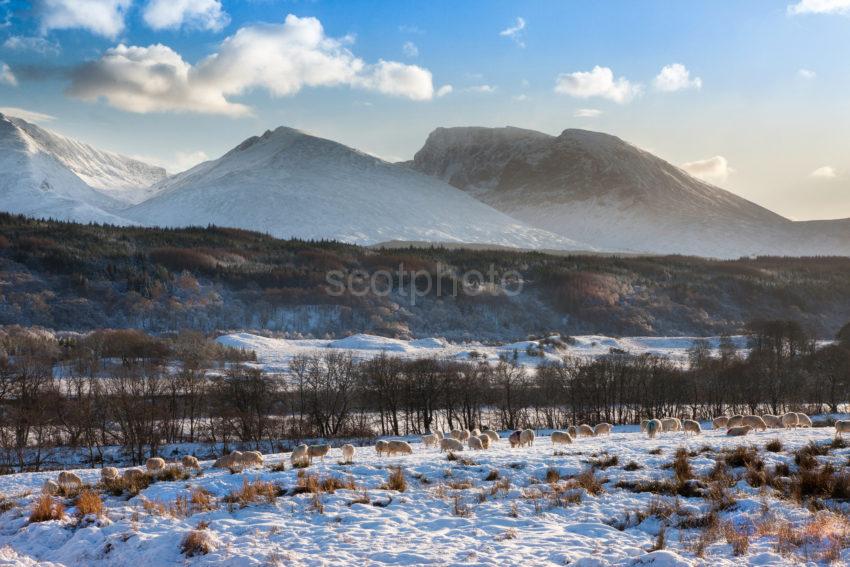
column 139, row 392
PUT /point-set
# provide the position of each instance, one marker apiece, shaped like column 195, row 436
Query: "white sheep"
column 720, row 422
column 439, row 434
column 109, row 474
column 671, row 424
column 347, row 451
column 573, row 431
column 803, row 420
column 602, row 429
column 68, row 479
column 790, row 420
column 643, row 423
column 317, row 451
column 526, row 438
column 465, row 434
column 299, row 455
column 842, row 426
column 430, row 440
column 401, row 447
column 691, row 426
column 561, row 438
column 191, row 462
column 755, row 422
column 155, row 464
column 50, row 487
column 382, row 448
column 252, row 459
column 514, row 438
column 584, row 430
column 450, row 444
column 738, row 431
column 736, row 420
column 474, row 443
column 456, row 434
column 485, row 441
column 134, row 476
column 653, row 426
column 476, row 432
column 231, row 461
column 772, row 421
column 494, row 437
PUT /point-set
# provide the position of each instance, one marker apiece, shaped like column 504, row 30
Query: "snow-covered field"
column 274, row 354
column 449, row 514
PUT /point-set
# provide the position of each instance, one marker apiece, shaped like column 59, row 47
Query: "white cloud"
column 820, row 7
column 521, row 97
column 174, row 14
column 444, row 90
column 481, row 89
column 188, row 160
column 31, row 43
column 676, row 77
column 515, row 32
column 825, row 172
column 587, row 113
column 598, row 82
column 807, row 74
column 712, row 170
column 280, row 58
column 410, row 49
column 28, row 115
column 6, row 75
column 101, row 17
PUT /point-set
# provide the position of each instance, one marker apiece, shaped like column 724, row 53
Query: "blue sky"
column 752, row 96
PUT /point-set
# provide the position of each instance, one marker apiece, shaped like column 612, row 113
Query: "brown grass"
column 737, row 538
column 588, row 480
column 492, row 475
column 396, row 480
column 742, row 456
column 46, row 508
column 604, row 461
column 552, row 475
column 197, row 542
column 682, row 466
column 253, row 491
column 774, row 446
column 89, row 502
column 632, row 466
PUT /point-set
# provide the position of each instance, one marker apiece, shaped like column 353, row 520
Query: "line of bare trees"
column 141, row 393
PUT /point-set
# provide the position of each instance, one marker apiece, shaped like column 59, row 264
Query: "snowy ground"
column 274, row 354
column 449, row 514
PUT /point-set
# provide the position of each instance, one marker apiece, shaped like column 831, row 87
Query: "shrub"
column 89, row 502
column 774, row 446
column 742, row 456
column 492, row 475
column 46, row 509
column 552, row 475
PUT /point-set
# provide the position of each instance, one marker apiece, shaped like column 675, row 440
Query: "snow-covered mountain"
column 43, row 174
column 288, row 183
column 599, row 189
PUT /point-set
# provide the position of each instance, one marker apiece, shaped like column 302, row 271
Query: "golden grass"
column 46, row 508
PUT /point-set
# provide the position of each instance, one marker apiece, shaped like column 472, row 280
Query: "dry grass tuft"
column 197, row 542
column 604, row 461
column 737, row 538
column 588, row 480
column 552, row 475
column 253, row 491
column 632, row 466
column 742, row 456
column 492, row 475
column 46, row 508
column 396, row 480
column 774, row 446
column 89, row 502
column 682, row 466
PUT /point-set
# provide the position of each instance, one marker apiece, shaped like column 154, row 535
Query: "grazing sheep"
column 476, row 432
column 515, row 438
column 133, row 476
column 772, row 421
column 430, row 440
column 485, row 441
column 401, row 447
column 231, row 461
column 317, row 451
column 456, row 434
column 439, row 435
column 299, row 454
column 109, row 474
column 561, row 438
column 790, row 420
column 803, row 420
column 465, row 434
column 474, row 443
column 69, row 480
column 584, row 430
column 348, row 451
column 691, row 426
column 755, row 422
column 494, row 437
column 738, row 431
column 155, row 464
column 252, row 459
column 526, row 438
column 735, row 421
column 643, row 423
column 671, row 424
column 653, row 426
column 573, row 431
column 50, row 487
column 382, row 447
column 450, row 444
column 191, row 462
column 720, row 422
column 602, row 429
column 842, row 426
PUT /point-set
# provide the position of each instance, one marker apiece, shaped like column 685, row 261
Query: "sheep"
column 736, row 420
column 348, row 451
column 69, row 480
column 738, row 431
column 439, row 435
column 251, row 459
column 450, row 444
column 842, row 426
column 561, row 438
column 455, row 433
column 643, row 423
column 515, row 438
column 653, row 426
column 602, row 429
column 399, row 447
column 155, row 464
column 317, row 451
column 691, row 426
column 430, row 440
column 231, row 461
column 719, row 422
column 485, row 441
column 494, row 437
column 755, row 422
column 772, row 421
column 476, row 432
column 465, row 434
column 790, row 420
column 584, row 430
column 382, row 447
column 573, row 431
column 109, row 474
column 803, row 420
column 50, row 487
column 133, row 476
column 671, row 424
column 526, row 438
column 191, row 462
column 299, row 455
column 474, row 443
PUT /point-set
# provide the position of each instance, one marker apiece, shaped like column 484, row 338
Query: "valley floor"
column 537, row 508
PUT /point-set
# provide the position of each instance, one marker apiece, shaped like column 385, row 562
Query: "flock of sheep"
column 303, row 455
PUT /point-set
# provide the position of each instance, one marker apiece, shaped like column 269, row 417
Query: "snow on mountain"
column 288, row 183
column 596, row 188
